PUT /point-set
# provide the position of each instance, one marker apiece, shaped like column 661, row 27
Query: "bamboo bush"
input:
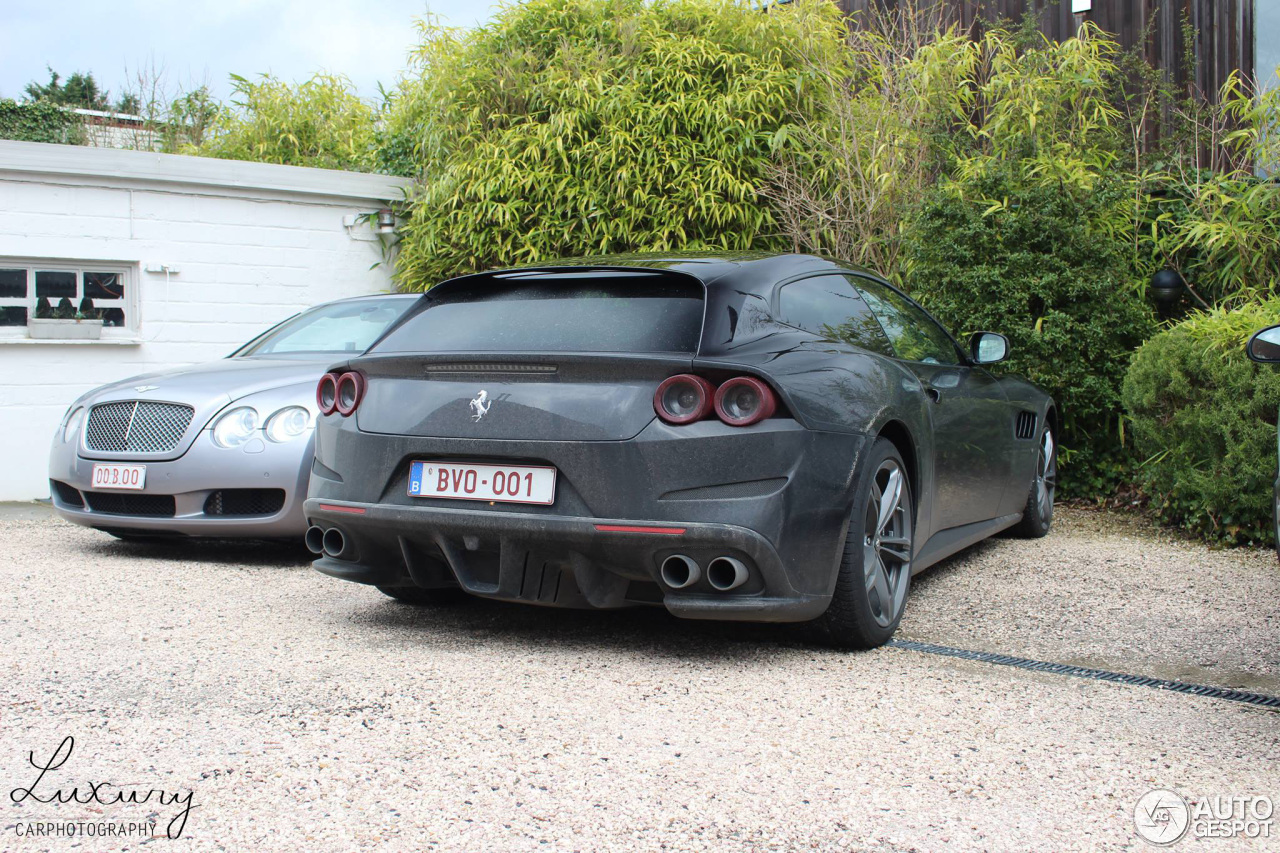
column 320, row 122
column 1215, row 206
column 580, row 127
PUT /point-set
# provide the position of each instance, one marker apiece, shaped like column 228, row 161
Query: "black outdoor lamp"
column 1167, row 287
column 386, row 221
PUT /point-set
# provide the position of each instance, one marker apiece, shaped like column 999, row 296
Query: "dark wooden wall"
column 1224, row 38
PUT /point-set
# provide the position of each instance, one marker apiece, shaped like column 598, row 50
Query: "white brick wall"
column 253, row 243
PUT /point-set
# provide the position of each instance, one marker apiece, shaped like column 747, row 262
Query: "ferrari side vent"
column 1025, row 427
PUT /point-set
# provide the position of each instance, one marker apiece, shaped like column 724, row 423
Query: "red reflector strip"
column 623, row 528
column 354, row 510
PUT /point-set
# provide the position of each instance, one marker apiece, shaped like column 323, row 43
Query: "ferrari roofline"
column 394, row 294
column 731, row 270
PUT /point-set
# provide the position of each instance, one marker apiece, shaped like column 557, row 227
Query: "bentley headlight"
column 288, row 423
column 235, row 427
column 73, row 423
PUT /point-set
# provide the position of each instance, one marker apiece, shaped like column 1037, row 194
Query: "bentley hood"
column 218, row 382
column 207, row 389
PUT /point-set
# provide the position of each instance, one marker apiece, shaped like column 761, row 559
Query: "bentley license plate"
column 520, row 484
column 132, row 477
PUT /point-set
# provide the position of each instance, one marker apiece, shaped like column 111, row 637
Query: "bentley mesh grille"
column 67, row 493
column 137, row 426
column 244, row 502
column 161, row 506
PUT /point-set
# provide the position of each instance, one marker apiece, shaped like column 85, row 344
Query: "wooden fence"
column 1224, row 29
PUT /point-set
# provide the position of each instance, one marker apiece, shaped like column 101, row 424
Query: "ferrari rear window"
column 541, row 311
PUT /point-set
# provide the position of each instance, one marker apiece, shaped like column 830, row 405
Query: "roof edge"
column 52, row 160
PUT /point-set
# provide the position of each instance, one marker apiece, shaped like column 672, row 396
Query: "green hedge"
column 1204, row 420
column 1038, row 270
column 39, row 122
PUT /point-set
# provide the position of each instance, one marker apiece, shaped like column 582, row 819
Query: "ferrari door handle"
column 932, row 393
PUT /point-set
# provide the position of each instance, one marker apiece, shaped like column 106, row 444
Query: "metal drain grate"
column 1260, row 699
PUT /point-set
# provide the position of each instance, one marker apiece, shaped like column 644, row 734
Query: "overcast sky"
column 197, row 40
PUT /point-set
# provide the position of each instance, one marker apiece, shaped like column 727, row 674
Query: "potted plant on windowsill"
column 65, row 323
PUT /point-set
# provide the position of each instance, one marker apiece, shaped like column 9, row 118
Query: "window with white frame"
column 66, row 290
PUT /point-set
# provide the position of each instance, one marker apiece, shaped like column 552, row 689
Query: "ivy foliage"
column 1204, row 423
column 577, row 127
column 321, row 122
column 39, row 121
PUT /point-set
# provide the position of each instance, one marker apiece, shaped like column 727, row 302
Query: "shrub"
column 39, row 122
column 911, row 105
column 320, row 123
column 1212, row 217
column 571, row 127
column 1036, row 268
column 1204, row 420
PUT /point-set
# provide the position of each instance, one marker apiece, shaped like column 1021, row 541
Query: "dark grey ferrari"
column 779, row 438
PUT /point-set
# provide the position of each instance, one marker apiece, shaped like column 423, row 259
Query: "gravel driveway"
column 303, row 713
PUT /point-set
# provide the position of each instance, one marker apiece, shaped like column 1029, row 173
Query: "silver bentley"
column 220, row 449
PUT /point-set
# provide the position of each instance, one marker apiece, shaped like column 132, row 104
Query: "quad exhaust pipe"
column 334, row 543
column 723, row 573
column 726, row 573
column 314, row 540
column 330, row 543
column 679, row 571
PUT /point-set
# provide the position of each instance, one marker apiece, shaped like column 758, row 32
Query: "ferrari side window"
column 915, row 335
column 829, row 306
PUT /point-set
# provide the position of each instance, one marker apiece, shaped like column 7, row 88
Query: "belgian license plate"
column 519, row 484
column 132, row 477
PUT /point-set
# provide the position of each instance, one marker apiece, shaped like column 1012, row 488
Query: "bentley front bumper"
column 255, row 491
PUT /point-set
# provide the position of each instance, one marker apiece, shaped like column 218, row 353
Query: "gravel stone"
column 310, row 714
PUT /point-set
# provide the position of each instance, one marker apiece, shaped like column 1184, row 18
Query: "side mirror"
column 988, row 347
column 1265, row 345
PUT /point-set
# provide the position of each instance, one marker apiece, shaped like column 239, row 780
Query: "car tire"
column 425, row 597
column 1037, row 515
column 874, row 577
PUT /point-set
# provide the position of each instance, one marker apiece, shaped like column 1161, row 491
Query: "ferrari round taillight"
column 327, row 394
column 683, row 399
column 744, row 400
column 350, row 392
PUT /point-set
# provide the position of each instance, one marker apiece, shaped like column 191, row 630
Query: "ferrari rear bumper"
column 757, row 517
column 559, row 561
